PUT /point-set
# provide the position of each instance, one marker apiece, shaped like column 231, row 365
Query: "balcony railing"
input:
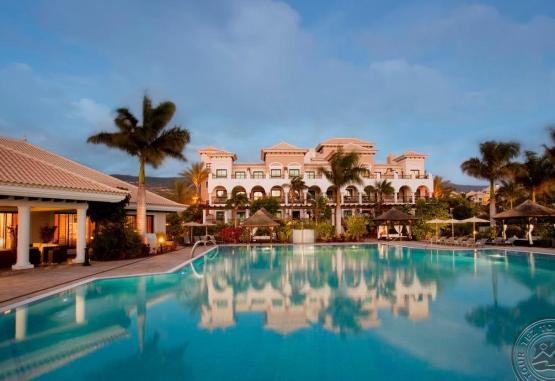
column 219, row 200
column 350, row 199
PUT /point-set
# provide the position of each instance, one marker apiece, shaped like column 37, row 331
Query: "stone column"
column 23, row 238
column 81, row 234
column 395, row 197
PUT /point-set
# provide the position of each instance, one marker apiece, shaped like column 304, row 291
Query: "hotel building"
column 283, row 161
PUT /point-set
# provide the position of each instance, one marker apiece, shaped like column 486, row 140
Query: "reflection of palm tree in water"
column 503, row 324
column 141, row 312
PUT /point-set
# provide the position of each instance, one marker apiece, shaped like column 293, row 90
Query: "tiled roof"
column 284, row 146
column 56, row 164
column 411, row 154
column 345, row 141
column 23, row 170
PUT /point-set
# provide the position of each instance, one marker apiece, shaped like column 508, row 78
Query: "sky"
column 431, row 76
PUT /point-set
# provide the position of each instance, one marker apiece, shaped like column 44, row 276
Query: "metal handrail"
column 205, row 241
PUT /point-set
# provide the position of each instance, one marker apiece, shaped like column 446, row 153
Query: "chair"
column 511, row 241
column 34, row 256
column 59, row 255
column 481, row 242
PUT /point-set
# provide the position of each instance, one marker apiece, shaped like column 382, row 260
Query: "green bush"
column 302, row 224
column 271, row 204
column 115, row 242
column 324, row 230
column 356, row 227
column 284, row 233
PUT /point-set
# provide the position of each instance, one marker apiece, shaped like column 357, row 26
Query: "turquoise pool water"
column 362, row 312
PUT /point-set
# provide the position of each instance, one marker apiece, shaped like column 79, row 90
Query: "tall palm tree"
column 318, row 204
column 380, row 189
column 151, row 143
column 442, row 188
column 535, row 173
column 297, row 186
column 344, row 169
column 235, row 202
column 509, row 192
column 494, row 164
column 196, row 175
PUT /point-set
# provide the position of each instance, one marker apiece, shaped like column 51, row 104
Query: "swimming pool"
column 341, row 312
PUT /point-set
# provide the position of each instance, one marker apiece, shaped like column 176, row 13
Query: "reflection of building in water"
column 297, row 292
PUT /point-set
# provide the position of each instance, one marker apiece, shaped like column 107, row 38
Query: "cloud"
column 245, row 74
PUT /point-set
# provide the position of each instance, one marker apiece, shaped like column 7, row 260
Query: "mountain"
column 161, row 185
column 461, row 188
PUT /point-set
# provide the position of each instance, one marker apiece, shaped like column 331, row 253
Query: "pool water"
column 362, row 312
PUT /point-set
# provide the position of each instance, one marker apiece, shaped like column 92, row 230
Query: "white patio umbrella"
column 453, row 221
column 475, row 220
column 436, row 221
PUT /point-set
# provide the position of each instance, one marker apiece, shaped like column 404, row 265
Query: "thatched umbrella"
column 394, row 215
column 527, row 210
column 261, row 219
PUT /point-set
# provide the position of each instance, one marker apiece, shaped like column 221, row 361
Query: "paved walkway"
column 22, row 285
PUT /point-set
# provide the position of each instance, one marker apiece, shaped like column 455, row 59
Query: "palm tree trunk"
column 234, row 217
column 338, row 227
column 491, row 203
column 141, row 202
column 533, row 194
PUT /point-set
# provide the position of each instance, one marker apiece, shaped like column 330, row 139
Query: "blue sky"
column 435, row 76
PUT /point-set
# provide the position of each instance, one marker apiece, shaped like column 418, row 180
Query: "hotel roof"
column 26, row 165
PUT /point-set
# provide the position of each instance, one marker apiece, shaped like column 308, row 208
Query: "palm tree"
column 318, row 204
column 151, row 143
column 442, row 188
column 196, row 175
column 182, row 192
column 493, row 165
column 509, row 192
column 297, row 186
column 344, row 169
column 235, row 202
column 380, row 189
column 535, row 173
column 550, row 151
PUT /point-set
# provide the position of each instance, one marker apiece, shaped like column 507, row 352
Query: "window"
column 66, row 232
column 8, row 221
column 257, row 194
column 220, row 216
column 131, row 222
column 221, row 173
column 294, row 172
column 240, row 175
column 276, row 193
column 258, row 175
column 220, row 193
column 310, row 175
column 241, row 216
column 275, row 173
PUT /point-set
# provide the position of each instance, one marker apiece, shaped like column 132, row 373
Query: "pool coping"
column 407, row 244
column 96, row 277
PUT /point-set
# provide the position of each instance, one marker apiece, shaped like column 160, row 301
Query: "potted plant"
column 47, row 233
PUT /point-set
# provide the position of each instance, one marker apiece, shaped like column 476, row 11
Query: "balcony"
column 350, row 199
column 219, row 200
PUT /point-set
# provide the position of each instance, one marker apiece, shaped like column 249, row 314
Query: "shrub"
column 356, row 227
column 284, row 233
column 115, row 242
column 230, row 234
column 302, row 224
column 324, row 231
column 271, row 204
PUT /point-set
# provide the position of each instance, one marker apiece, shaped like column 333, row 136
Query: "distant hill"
column 460, row 188
column 161, row 185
